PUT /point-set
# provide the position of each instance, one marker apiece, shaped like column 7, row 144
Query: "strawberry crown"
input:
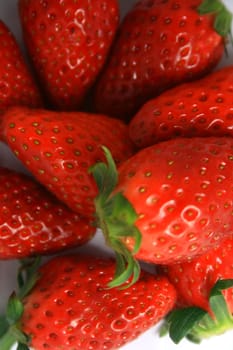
column 116, row 217
column 197, row 324
column 223, row 17
column 10, row 332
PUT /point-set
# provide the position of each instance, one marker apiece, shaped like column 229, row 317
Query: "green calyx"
column 10, row 332
column 116, row 218
column 196, row 324
column 223, row 17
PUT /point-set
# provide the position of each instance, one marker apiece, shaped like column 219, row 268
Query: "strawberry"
column 167, row 203
column 195, row 282
column 59, row 147
column 68, row 42
column 70, row 306
column 200, row 108
column 17, row 85
column 160, row 44
column 33, row 221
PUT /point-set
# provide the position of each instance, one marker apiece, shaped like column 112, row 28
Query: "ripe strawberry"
column 71, row 308
column 34, row 222
column 194, row 281
column 59, row 147
column 160, row 44
column 17, row 86
column 200, row 108
column 68, row 42
column 172, row 201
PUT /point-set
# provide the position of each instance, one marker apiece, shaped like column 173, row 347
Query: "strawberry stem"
column 223, row 17
column 196, row 324
column 116, row 218
column 7, row 341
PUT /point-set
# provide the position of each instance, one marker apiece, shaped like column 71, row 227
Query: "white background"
column 149, row 340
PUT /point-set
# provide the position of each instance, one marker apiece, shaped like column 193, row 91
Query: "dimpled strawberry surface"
column 8, row 269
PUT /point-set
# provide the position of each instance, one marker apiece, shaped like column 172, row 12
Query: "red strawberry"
column 68, row 42
column 34, row 222
column 195, row 281
column 172, row 201
column 200, row 108
column 17, row 86
column 59, row 147
column 71, row 308
column 160, row 44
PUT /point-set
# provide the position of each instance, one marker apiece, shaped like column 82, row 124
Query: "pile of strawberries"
column 124, row 126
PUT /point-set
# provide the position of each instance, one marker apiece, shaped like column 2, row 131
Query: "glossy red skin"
column 68, row 42
column 18, row 87
column 75, row 310
column 33, row 221
column 159, row 45
column 200, row 108
column 193, row 280
column 59, row 147
column 181, row 190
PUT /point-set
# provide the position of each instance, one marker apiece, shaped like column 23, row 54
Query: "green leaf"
column 123, row 209
column 196, row 324
column 105, row 175
column 220, row 309
column 14, row 309
column 127, row 266
column 219, row 305
column 4, row 325
column 130, row 269
column 210, row 6
column 18, row 335
column 163, row 329
column 223, row 23
column 220, row 285
column 28, row 275
column 7, row 341
column 10, row 332
column 116, row 217
column 22, row 347
column 14, row 335
column 20, row 279
column 182, row 321
column 223, row 17
column 98, row 171
column 120, row 266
